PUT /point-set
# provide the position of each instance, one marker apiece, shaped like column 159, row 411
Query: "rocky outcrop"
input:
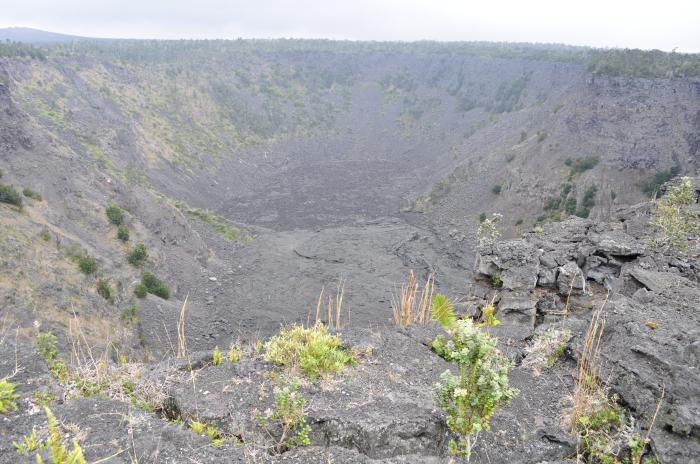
column 650, row 345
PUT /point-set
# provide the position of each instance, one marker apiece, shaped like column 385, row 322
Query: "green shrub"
column 487, row 233
column 496, row 280
column 123, row 234
column 115, row 215
column 470, row 398
column 7, row 396
column 583, row 212
column 482, row 217
column 288, row 415
column 8, row 194
column 155, row 286
column 140, row 291
column 130, row 315
column 589, row 197
column 138, row 255
column 597, row 431
column 87, row 265
column 496, row 189
column 46, row 344
column 552, row 203
column 45, row 234
column 673, row 221
column 581, row 165
column 29, row 193
column 570, row 205
column 104, row 289
column 313, row 350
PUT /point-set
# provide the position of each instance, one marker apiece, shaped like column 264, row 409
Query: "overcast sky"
column 644, row 24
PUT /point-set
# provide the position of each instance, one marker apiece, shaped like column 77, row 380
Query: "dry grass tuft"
column 546, row 349
column 333, row 308
column 92, row 375
column 181, row 341
column 589, row 392
column 407, row 307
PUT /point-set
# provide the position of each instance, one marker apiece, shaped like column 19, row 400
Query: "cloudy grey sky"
column 644, row 24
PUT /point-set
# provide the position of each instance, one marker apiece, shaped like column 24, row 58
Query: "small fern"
column 234, row 354
column 7, row 396
column 57, row 450
column 29, row 444
column 216, row 356
column 442, row 311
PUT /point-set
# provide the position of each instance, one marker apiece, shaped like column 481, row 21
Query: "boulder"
column 570, row 278
column 516, row 261
column 517, row 309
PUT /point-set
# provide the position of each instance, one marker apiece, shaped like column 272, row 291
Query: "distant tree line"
column 613, row 62
column 10, row 49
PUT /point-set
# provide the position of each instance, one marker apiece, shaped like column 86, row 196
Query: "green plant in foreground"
column 288, row 412
column 673, row 220
column 46, row 344
column 115, row 215
column 58, row 453
column 312, row 349
column 597, row 432
column 442, row 312
column 29, row 443
column 7, row 396
column 470, row 398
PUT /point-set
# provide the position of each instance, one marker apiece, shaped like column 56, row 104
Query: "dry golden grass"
column 93, row 374
column 407, row 306
column 333, row 308
column 589, row 391
column 181, row 340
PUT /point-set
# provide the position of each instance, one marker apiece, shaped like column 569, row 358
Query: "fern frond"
column 442, row 311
